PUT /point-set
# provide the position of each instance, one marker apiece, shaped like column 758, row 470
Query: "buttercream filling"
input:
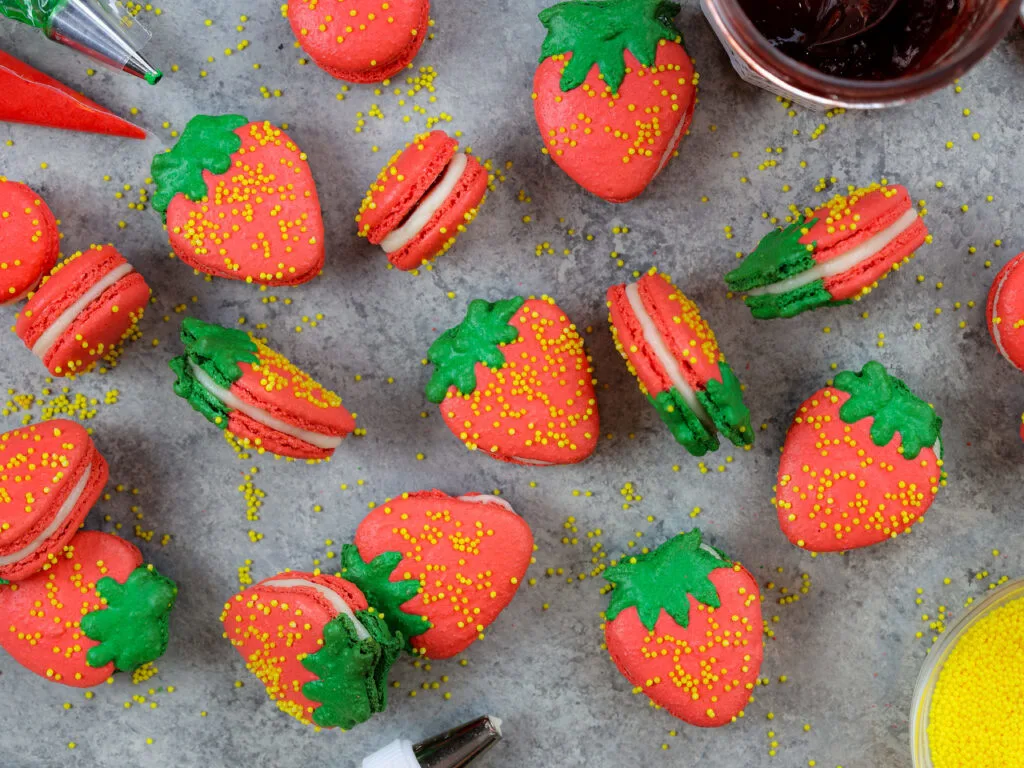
column 665, row 357
column 995, row 314
column 337, row 601
column 327, row 442
column 671, row 145
column 66, row 318
column 533, row 462
column 400, row 237
column 55, row 525
column 485, row 498
column 845, row 261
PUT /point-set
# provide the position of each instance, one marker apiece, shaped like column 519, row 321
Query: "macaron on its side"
column 84, row 311
column 29, row 240
column 1005, row 312
column 51, row 474
column 365, row 42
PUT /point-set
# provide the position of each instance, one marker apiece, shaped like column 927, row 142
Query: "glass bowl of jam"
column 893, row 52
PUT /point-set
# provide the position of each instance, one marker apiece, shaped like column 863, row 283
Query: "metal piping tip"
column 460, row 746
column 138, row 66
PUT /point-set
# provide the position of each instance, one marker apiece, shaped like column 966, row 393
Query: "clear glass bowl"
column 936, row 662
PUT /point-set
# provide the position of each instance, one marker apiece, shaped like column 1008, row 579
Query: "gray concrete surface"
column 847, row 648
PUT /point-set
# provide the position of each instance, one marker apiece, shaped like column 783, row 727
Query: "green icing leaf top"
column 386, row 596
column 477, row 339
column 686, row 427
column 132, row 629
column 352, row 673
column 874, row 393
column 206, row 144
column 779, row 255
column 601, row 31
column 812, row 295
column 35, row 13
column 665, row 579
column 723, row 400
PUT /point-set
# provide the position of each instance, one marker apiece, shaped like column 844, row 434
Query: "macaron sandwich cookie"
column 29, row 241
column 1005, row 312
column 862, row 463
column 96, row 609
column 614, row 93
column 422, row 200
column 684, row 626
column 267, row 403
column 361, row 41
column 514, row 382
column 675, row 357
column 831, row 255
column 51, row 474
column 239, row 202
column 314, row 642
column 84, row 311
column 440, row 568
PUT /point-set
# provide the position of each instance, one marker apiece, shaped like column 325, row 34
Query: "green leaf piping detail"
column 723, row 400
column 665, row 579
column 384, row 595
column 477, row 339
column 351, row 682
column 601, row 31
column 685, row 426
column 813, row 295
column 132, row 629
column 35, row 13
column 207, row 144
column 874, row 393
column 779, row 256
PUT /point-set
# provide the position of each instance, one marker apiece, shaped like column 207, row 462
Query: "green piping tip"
column 154, row 77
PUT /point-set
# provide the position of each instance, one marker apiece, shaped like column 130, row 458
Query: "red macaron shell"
column 101, row 327
column 403, row 182
column 469, row 556
column 40, row 465
column 853, row 283
column 289, row 394
column 1005, row 312
column 29, row 241
column 361, row 41
column 56, row 649
column 274, row 628
column 439, row 233
column 270, row 176
column 629, row 133
column 626, row 327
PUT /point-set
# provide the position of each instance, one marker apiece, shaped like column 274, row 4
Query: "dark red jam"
column 910, row 38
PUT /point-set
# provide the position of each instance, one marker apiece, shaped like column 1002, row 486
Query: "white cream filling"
column 661, row 351
column 258, row 414
column 427, row 207
column 59, row 519
column 337, row 601
column 59, row 326
column 485, row 498
column 995, row 313
column 532, row 462
column 671, row 145
column 844, row 262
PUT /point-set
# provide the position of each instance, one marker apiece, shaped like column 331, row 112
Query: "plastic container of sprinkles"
column 969, row 698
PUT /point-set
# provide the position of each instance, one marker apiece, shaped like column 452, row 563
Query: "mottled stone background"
column 848, row 648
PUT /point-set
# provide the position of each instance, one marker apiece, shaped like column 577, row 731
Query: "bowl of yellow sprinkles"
column 969, row 703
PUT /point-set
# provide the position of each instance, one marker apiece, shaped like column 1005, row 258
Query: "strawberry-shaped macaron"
column 614, row 93
column 239, row 202
column 1005, row 312
column 362, row 41
column 422, row 200
column 675, row 357
column 29, row 241
column 50, row 476
column 95, row 609
column 84, row 311
column 514, row 381
column 831, row 255
column 440, row 568
column 684, row 626
column 861, row 464
column 269, row 404
column 312, row 640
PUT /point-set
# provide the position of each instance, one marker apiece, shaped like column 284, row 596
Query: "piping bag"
column 456, row 748
column 102, row 29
